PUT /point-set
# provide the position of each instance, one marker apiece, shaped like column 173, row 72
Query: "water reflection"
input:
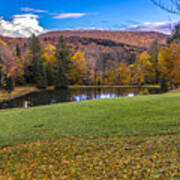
column 76, row 94
column 130, row 95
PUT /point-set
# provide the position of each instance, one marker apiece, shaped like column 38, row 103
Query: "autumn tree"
column 111, row 76
column 123, row 74
column 133, row 74
column 143, row 69
column 105, row 63
column 154, row 69
column 49, row 60
column 78, row 71
column 63, row 64
column 20, row 72
column 1, row 76
column 169, row 62
column 6, row 80
column 18, row 51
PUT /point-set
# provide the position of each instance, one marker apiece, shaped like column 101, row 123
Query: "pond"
column 73, row 94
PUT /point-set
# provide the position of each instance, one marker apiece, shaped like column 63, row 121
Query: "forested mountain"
column 118, row 43
column 101, row 51
column 135, row 38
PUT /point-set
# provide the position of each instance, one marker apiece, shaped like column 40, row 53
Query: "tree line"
column 60, row 67
column 35, row 70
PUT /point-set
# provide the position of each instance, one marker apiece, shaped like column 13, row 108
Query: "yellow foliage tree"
column 123, row 75
column 111, row 74
column 169, row 63
column 143, row 68
column 48, row 55
column 77, row 73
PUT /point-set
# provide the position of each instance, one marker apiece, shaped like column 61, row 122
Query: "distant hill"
column 134, row 38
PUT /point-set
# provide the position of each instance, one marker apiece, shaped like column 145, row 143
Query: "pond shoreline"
column 25, row 90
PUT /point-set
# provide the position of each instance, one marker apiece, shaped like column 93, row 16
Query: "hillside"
column 134, row 38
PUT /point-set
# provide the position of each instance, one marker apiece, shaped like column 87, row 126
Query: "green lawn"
column 144, row 115
column 124, row 138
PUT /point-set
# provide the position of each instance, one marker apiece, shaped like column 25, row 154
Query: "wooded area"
column 62, row 64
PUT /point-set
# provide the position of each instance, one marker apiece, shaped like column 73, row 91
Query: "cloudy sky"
column 23, row 17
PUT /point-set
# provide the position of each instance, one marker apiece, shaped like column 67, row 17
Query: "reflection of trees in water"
column 49, row 97
column 75, row 94
column 39, row 98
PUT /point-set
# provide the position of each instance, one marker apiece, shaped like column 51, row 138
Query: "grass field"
column 123, row 138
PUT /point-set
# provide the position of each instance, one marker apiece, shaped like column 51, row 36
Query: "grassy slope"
column 93, row 156
column 112, row 117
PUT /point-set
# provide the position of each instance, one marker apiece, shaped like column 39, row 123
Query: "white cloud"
column 21, row 26
column 27, row 9
column 87, row 29
column 163, row 27
column 69, row 15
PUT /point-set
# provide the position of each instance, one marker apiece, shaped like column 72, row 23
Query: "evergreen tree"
column 60, row 78
column 154, row 52
column 0, row 77
column 8, row 83
column 163, row 84
column 18, row 51
column 49, row 77
column 41, row 75
column 1, row 73
column 175, row 35
column 34, row 57
column 20, row 71
column 63, row 64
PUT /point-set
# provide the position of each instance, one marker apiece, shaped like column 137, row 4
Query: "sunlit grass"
column 111, row 117
column 121, row 138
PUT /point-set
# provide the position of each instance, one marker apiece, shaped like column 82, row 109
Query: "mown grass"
column 121, row 138
column 111, row 117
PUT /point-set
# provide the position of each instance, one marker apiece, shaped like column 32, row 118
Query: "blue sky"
column 109, row 14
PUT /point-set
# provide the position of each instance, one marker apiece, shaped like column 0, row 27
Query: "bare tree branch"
column 171, row 6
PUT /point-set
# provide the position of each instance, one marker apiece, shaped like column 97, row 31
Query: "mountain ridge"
column 136, row 38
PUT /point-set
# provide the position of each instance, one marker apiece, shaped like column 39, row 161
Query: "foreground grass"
column 123, row 138
column 144, row 115
column 95, row 158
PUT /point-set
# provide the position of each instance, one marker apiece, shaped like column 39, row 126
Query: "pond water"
column 74, row 94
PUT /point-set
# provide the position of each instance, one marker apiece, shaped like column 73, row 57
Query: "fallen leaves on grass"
column 93, row 158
